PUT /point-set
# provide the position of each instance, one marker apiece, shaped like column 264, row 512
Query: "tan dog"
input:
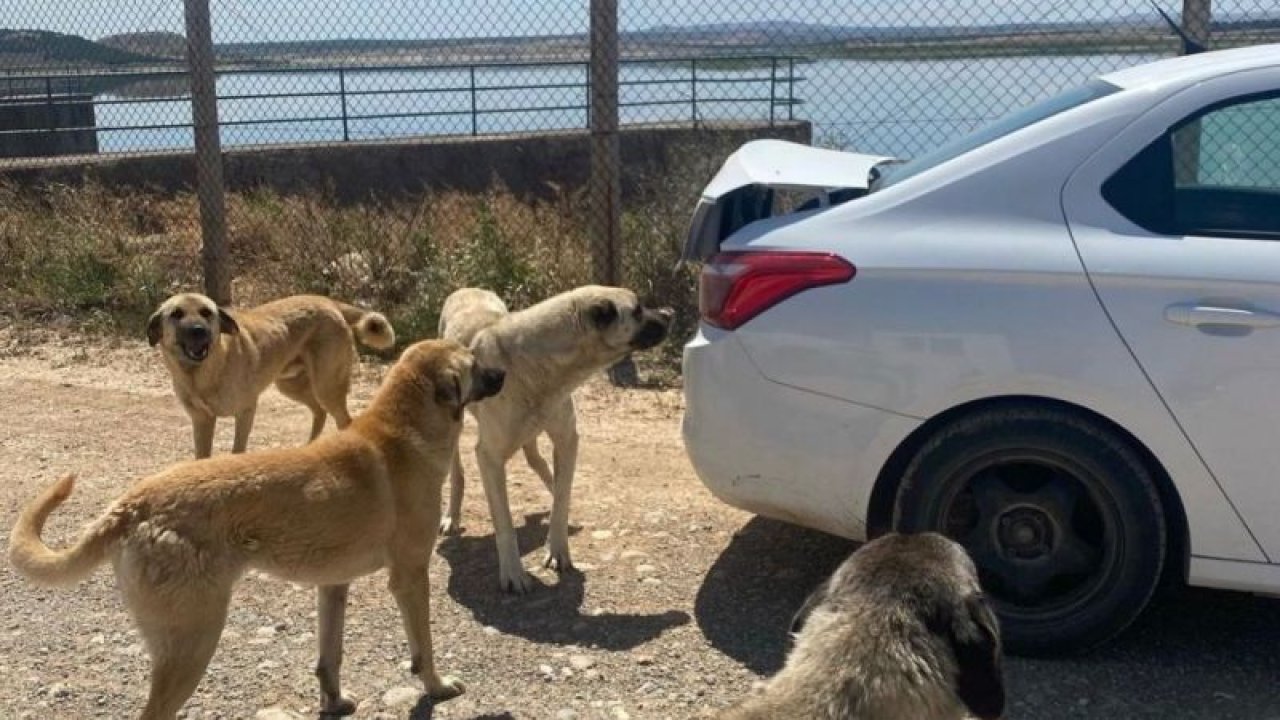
column 900, row 631
column 221, row 361
column 548, row 350
column 346, row 505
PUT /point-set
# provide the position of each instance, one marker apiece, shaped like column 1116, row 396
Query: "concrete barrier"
column 529, row 165
column 49, row 125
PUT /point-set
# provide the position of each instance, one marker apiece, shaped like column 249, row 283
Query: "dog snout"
column 653, row 330
column 197, row 332
column 489, row 382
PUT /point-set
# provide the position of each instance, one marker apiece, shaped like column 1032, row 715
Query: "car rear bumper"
column 779, row 451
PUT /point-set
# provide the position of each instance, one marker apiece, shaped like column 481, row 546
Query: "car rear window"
column 1013, row 122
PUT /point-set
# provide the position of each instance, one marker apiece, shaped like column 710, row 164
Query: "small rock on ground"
column 401, row 696
column 275, row 713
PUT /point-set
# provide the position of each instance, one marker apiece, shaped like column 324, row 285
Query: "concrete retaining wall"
column 45, row 117
column 529, row 165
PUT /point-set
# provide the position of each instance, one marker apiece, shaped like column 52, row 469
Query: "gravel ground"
column 680, row 605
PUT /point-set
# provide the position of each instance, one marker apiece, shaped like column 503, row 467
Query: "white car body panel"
column 1254, row 577
column 835, row 442
column 1171, row 74
column 1223, row 389
column 957, row 299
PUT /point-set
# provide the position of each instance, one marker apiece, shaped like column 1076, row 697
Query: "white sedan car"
column 1056, row 340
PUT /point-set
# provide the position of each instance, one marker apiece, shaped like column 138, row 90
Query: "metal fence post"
column 693, row 91
column 208, row 152
column 475, row 125
column 791, row 88
column 50, row 119
column 773, row 87
column 1196, row 16
column 587, row 87
column 1196, row 19
column 606, row 185
column 342, row 94
column 605, row 223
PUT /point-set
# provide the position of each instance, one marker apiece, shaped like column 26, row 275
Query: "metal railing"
column 559, row 92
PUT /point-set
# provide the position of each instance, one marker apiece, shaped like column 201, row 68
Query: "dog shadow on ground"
column 749, row 595
column 425, row 710
column 1193, row 653
column 550, row 613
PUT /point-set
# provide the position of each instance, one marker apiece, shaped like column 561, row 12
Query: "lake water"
column 893, row 107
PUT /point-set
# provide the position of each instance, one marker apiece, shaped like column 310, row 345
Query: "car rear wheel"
column 1058, row 512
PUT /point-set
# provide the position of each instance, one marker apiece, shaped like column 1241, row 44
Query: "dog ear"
column 602, row 314
column 226, row 323
column 449, row 394
column 485, row 348
column 974, row 634
column 811, row 603
column 154, row 328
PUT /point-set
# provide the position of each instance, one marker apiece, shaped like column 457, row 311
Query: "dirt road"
column 680, row 603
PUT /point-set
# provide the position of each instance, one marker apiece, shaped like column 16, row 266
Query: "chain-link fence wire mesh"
column 81, row 77
column 894, row 77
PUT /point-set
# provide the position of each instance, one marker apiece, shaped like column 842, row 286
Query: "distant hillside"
column 1139, row 32
column 784, row 31
column 154, row 44
column 38, row 48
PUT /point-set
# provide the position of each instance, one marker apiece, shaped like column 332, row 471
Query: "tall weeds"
column 103, row 260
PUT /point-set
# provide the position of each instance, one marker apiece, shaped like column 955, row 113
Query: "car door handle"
column 1196, row 315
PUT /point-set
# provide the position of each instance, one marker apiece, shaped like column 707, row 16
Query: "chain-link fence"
column 474, row 124
column 897, row 77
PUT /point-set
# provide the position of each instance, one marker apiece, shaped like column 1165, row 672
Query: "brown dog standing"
column 344, row 506
column 221, row 361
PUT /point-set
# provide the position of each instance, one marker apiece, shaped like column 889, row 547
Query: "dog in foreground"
column 548, row 350
column 343, row 506
column 900, row 631
column 221, row 360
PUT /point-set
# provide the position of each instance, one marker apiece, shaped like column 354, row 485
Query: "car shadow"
column 550, row 613
column 1194, row 653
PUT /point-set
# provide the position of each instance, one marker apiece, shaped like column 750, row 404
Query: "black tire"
column 1058, row 512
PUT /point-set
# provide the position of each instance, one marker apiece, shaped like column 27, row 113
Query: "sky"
column 266, row 20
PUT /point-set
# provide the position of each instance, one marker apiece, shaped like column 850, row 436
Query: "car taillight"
column 737, row 286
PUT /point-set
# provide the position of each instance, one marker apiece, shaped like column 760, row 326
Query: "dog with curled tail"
column 346, row 505
column 221, row 359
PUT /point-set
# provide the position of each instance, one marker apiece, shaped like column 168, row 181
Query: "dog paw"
column 558, row 561
column 447, row 687
column 450, row 526
column 518, row 582
column 339, row 707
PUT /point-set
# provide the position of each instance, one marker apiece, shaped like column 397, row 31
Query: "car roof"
column 1188, row 69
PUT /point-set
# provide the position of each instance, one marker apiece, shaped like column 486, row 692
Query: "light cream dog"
column 343, row 506
column 900, row 631
column 221, row 360
column 548, row 350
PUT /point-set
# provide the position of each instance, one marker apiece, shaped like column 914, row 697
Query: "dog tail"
column 372, row 329
column 45, row 566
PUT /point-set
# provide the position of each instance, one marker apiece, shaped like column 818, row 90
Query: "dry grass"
column 98, row 260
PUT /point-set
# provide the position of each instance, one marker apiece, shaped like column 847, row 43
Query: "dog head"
column 187, row 327
column 455, row 377
column 619, row 321
column 932, row 580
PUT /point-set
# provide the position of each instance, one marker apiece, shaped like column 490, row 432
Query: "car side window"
column 1216, row 173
